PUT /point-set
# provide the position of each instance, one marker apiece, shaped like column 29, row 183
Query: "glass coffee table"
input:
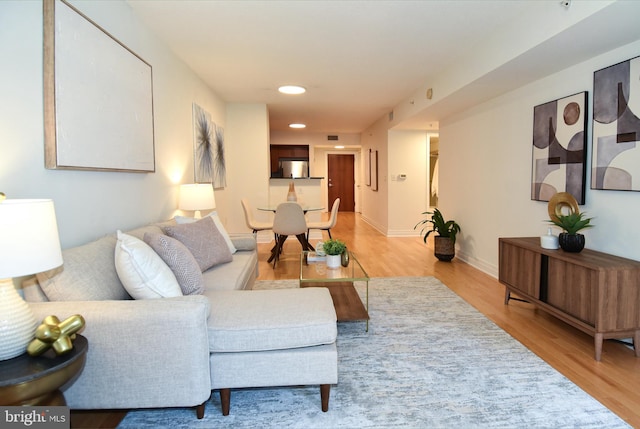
column 339, row 281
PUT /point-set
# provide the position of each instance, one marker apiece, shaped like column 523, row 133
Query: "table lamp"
column 197, row 196
column 29, row 244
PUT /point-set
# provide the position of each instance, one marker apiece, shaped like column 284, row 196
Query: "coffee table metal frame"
column 318, row 272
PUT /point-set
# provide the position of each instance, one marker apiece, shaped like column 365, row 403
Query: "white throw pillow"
column 142, row 272
column 217, row 221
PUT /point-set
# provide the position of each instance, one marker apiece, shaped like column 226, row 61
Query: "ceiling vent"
column 332, row 138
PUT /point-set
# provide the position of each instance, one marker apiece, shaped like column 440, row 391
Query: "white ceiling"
column 357, row 59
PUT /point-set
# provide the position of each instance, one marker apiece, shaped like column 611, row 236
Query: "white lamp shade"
column 197, row 196
column 29, row 241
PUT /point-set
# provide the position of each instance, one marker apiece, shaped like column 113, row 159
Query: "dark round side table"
column 27, row 380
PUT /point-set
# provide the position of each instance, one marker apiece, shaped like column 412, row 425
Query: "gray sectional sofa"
column 173, row 351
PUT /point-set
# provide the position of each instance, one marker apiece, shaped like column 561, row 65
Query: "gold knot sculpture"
column 56, row 334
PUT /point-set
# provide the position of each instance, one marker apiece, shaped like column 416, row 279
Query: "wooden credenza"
column 592, row 291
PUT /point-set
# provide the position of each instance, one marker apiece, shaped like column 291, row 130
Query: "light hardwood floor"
column 613, row 381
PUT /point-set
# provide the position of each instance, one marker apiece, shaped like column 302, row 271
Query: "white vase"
column 17, row 322
column 291, row 195
column 334, row 261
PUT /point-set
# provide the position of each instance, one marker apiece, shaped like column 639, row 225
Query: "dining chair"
column 326, row 225
column 253, row 224
column 288, row 220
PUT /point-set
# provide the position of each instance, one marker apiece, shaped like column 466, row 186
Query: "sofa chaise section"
column 279, row 337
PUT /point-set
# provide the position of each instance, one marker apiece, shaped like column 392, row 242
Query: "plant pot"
column 334, row 261
column 573, row 243
column 444, row 249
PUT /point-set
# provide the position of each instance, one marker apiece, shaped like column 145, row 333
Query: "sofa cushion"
column 87, row 274
column 203, row 240
column 243, row 241
column 274, row 319
column 142, row 272
column 239, row 274
column 179, row 260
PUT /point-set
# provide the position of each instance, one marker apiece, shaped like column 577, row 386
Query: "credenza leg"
column 507, row 295
column 636, row 343
column 597, row 342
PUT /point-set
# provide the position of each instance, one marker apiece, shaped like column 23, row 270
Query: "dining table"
column 305, row 208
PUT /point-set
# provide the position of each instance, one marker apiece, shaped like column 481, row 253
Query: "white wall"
column 247, row 152
column 485, row 171
column 90, row 204
column 375, row 204
column 397, row 205
column 408, row 154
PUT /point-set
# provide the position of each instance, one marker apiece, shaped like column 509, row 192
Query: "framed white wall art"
column 98, row 97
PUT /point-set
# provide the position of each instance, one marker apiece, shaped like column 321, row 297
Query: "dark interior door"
column 341, row 181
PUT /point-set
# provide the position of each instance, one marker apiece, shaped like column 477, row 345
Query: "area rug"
column 429, row 360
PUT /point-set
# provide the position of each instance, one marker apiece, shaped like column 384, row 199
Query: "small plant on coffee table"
column 334, row 247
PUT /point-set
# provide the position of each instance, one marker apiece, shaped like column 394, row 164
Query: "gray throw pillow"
column 180, row 261
column 88, row 274
column 203, row 240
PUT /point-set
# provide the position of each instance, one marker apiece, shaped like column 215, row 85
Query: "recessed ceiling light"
column 292, row 89
column 297, row 126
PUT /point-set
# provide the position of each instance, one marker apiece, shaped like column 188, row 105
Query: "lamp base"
column 17, row 322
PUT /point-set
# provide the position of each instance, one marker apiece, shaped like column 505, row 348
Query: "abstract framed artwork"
column 208, row 140
column 367, row 173
column 559, row 148
column 615, row 163
column 98, row 97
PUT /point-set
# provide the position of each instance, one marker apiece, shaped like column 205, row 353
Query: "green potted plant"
column 334, row 249
column 444, row 242
column 570, row 240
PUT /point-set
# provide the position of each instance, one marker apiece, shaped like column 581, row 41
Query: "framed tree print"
column 208, row 149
